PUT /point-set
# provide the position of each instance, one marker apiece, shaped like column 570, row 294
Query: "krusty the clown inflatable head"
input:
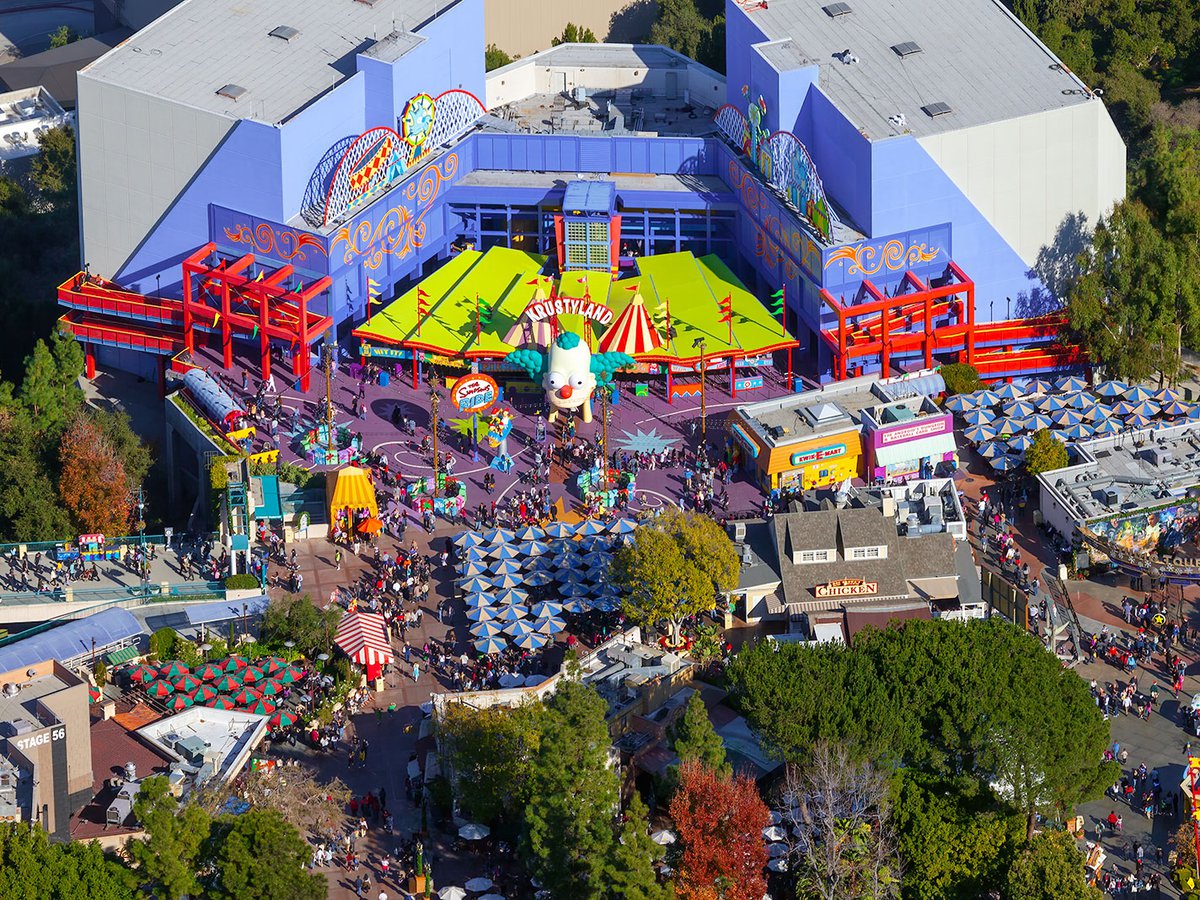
column 569, row 372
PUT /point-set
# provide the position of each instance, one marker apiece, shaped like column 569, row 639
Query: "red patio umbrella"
column 272, row 664
column 209, row 672
column 246, row 696
column 220, row 703
column 260, row 707
column 229, row 683
column 172, row 670
column 270, row 688
column 233, row 663
column 288, row 675
column 144, row 674
column 186, row 682
column 179, row 702
column 282, row 719
column 204, row 693
column 160, row 689
column 93, row 694
column 251, row 674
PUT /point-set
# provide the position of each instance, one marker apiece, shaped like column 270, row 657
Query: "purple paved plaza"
column 646, row 423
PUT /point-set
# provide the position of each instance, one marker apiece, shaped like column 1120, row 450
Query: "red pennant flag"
column 633, row 288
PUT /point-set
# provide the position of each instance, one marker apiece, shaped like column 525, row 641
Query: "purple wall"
column 898, row 435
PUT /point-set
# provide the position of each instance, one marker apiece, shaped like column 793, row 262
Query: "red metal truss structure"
column 265, row 309
column 931, row 321
column 219, row 296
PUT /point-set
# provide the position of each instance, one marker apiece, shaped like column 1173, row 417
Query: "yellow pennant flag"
column 261, row 275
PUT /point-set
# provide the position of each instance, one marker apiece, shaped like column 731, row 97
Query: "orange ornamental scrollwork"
column 284, row 243
column 867, row 259
column 402, row 228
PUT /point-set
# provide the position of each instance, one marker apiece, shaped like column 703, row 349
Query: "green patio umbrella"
column 282, row 719
column 246, row 696
column 272, row 664
column 270, row 688
column 288, row 675
column 160, row 689
column 173, row 670
column 186, row 682
column 233, row 663
column 208, row 672
column 204, row 693
column 179, row 702
column 144, row 674
column 251, row 674
column 220, row 703
column 260, row 707
column 229, row 683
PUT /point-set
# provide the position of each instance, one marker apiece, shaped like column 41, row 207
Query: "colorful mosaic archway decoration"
column 380, row 156
column 783, row 161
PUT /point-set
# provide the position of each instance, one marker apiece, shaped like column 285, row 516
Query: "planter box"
column 242, row 593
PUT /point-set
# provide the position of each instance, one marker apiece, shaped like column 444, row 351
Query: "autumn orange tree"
column 719, row 820
column 92, row 482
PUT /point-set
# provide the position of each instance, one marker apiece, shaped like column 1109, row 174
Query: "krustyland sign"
column 569, row 306
column 847, row 587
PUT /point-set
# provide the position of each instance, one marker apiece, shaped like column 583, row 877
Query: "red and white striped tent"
column 363, row 637
column 632, row 331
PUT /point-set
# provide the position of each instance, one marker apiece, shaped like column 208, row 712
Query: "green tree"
column 167, row 861
column 630, row 873
column 135, row 456
column 573, row 796
column 680, row 26
column 258, row 854
column 1049, row 867
column 960, row 378
column 675, row 567
column 1045, row 454
column 53, row 171
column 1137, row 297
column 695, row 739
column 574, row 34
column 490, row 753
column 298, row 619
column 29, row 502
column 953, row 836
column 32, row 867
column 494, row 58
column 62, row 36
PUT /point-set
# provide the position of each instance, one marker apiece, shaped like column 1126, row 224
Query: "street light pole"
column 434, row 400
column 604, row 412
column 143, row 568
column 329, row 395
column 703, row 345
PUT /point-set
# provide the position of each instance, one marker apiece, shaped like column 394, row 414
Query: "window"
column 864, row 553
column 813, row 556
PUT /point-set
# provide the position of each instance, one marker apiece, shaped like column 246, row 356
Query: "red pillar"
column 264, row 343
column 189, row 336
column 416, row 381
column 885, row 324
column 971, row 324
column 928, row 331
column 226, row 331
column 733, row 377
column 89, row 361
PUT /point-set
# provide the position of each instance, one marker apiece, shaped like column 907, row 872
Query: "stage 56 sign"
column 474, row 393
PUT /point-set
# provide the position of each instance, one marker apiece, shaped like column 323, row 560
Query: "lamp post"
column 434, row 399
column 204, row 649
column 143, row 568
column 328, row 354
column 702, row 345
column 289, row 644
column 604, row 416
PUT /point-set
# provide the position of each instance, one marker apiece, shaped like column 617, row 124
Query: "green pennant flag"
column 778, row 295
column 255, row 334
column 485, row 314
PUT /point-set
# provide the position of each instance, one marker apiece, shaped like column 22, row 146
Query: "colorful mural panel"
column 781, row 159
column 1152, row 531
column 869, row 259
column 401, row 228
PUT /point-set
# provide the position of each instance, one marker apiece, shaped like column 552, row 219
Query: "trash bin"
column 616, row 396
column 384, row 378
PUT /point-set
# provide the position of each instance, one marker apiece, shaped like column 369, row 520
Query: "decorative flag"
column 255, row 332
column 633, row 289
column 216, row 318
column 261, row 275
column 726, row 308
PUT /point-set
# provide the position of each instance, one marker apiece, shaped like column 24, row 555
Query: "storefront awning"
column 933, row 446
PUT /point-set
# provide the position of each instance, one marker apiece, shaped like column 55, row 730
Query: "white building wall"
column 1027, row 175
column 137, row 153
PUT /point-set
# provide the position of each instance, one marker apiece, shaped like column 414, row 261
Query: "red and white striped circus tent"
column 363, row 637
column 632, row 332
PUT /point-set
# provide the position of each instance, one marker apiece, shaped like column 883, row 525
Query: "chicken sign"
column 569, row 372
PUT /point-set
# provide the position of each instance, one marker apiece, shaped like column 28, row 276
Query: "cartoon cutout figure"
column 569, row 372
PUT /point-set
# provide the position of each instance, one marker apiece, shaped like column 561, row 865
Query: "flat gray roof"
column 974, row 56
column 188, row 54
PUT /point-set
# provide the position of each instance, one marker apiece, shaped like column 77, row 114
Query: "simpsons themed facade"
column 895, row 209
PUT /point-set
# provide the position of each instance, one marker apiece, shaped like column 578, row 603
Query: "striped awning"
column 632, row 332
column 120, row 656
column 363, row 637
